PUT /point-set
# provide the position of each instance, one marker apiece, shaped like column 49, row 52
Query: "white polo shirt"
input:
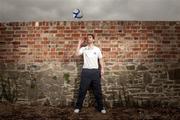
column 91, row 56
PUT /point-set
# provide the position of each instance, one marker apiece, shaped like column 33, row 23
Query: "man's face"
column 90, row 39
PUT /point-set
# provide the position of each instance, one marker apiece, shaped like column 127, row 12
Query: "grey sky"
column 60, row 10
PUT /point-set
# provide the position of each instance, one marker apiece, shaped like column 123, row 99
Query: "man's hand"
column 101, row 67
column 78, row 47
column 81, row 41
column 102, row 72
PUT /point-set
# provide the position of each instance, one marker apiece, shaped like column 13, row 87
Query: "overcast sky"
column 60, row 10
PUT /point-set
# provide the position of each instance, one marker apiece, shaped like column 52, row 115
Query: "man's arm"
column 78, row 47
column 101, row 62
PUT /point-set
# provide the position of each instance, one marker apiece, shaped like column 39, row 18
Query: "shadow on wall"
column 8, row 88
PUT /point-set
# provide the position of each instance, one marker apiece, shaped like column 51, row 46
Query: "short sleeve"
column 100, row 54
column 81, row 50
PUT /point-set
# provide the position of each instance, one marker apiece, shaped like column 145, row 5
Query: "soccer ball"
column 77, row 14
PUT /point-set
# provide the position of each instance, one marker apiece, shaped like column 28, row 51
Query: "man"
column 90, row 75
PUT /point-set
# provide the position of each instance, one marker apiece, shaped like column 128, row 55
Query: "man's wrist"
column 102, row 71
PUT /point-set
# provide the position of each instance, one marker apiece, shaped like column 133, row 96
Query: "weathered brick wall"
column 142, row 61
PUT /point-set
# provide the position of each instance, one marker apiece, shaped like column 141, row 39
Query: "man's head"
column 90, row 38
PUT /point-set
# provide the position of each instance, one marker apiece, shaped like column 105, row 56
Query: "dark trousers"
column 90, row 77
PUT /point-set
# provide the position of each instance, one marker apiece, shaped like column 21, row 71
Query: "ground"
column 33, row 112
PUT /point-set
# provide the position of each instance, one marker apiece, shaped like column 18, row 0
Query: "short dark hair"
column 91, row 35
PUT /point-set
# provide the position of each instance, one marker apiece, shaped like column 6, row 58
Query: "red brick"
column 136, row 49
column 150, row 27
column 2, row 28
column 68, row 31
column 165, row 42
column 136, row 34
column 44, row 28
column 30, row 42
column 16, row 42
column 10, row 61
column 59, row 35
column 177, row 27
column 45, row 42
column 106, row 49
column 21, row 32
column 7, row 32
column 75, row 27
column 16, row 28
column 75, row 35
column 37, row 46
column 157, row 31
column 38, row 60
column 98, row 31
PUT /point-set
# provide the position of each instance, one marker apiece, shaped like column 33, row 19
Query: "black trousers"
column 90, row 77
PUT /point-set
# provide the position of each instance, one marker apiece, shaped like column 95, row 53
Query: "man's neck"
column 91, row 45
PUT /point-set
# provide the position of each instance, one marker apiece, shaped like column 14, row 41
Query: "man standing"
column 90, row 75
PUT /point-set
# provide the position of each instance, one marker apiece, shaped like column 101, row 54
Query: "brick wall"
column 142, row 61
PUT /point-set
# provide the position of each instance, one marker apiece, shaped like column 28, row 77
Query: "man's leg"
column 84, row 84
column 96, row 85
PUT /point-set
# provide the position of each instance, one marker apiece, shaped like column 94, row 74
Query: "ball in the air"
column 77, row 14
